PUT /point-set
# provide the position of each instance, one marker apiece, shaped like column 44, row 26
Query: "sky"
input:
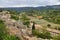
column 28, row 3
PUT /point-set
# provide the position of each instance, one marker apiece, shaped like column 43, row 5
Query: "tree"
column 33, row 26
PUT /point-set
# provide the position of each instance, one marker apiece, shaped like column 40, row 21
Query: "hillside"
column 32, row 23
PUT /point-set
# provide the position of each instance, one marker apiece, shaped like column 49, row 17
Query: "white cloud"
column 22, row 3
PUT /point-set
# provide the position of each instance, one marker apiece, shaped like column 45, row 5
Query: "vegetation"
column 14, row 14
column 42, row 34
column 57, row 37
column 14, row 17
column 0, row 10
column 25, row 19
column 49, row 25
column 49, row 15
column 53, row 16
column 3, row 32
column 10, row 37
column 57, row 28
column 33, row 26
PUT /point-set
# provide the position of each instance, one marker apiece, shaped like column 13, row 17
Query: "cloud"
column 59, row 0
column 22, row 3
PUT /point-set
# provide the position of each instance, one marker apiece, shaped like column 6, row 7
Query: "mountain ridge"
column 32, row 8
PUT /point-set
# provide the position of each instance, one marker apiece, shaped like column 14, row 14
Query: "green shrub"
column 57, row 28
column 14, row 17
column 25, row 20
column 1, row 10
column 57, row 37
column 3, row 32
column 49, row 25
column 44, row 34
column 10, row 37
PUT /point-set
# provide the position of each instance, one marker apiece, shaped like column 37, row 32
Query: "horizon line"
column 27, row 6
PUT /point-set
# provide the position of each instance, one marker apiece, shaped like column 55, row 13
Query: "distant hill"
column 56, row 7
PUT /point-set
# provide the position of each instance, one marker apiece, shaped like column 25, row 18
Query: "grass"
column 44, row 23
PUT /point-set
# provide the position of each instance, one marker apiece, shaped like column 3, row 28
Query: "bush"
column 57, row 28
column 56, row 37
column 10, row 37
column 49, row 25
column 25, row 20
column 26, row 23
column 1, row 21
column 14, row 17
column 0, row 10
column 3, row 32
column 44, row 35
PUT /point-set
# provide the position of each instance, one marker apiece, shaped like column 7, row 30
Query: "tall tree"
column 33, row 26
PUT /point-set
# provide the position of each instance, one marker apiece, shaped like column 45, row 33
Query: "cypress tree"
column 33, row 26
